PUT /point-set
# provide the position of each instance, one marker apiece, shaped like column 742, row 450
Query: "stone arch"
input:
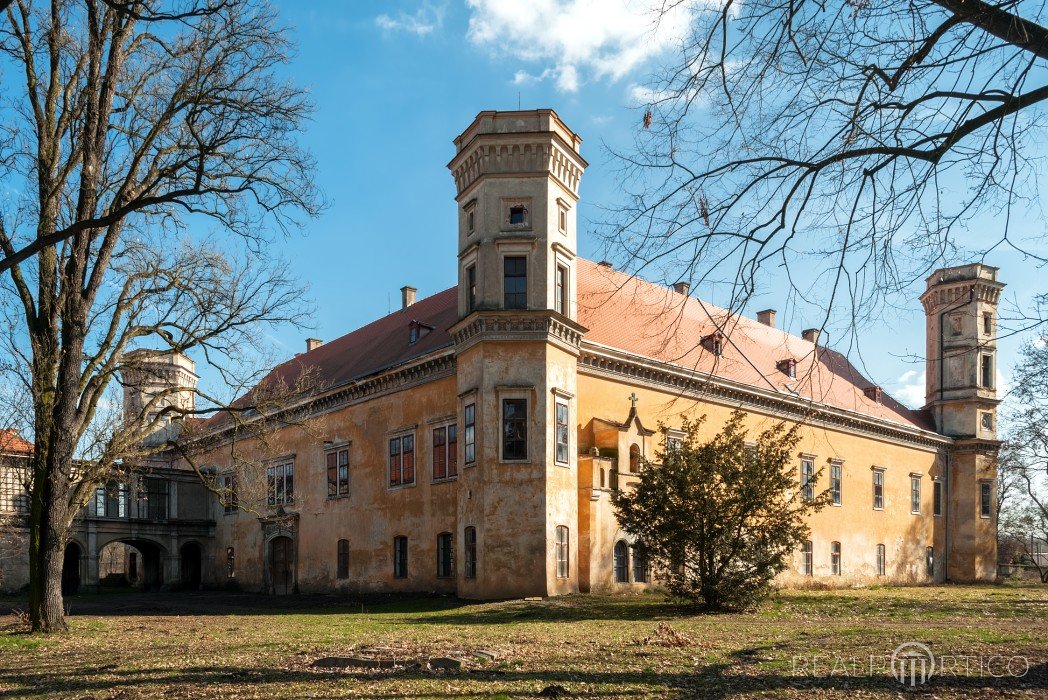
column 149, row 572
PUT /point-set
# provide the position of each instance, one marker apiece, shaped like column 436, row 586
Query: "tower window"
column 469, row 448
column 936, row 497
column 987, row 323
column 985, row 499
column 987, row 420
column 471, row 288
column 562, row 552
column 562, row 221
column 563, row 445
column 469, row 221
column 518, row 215
column 986, row 372
column 515, row 282
column 514, row 429
column 561, row 302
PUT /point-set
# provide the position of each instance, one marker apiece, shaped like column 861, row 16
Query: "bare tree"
column 1024, row 455
column 843, row 142
column 133, row 125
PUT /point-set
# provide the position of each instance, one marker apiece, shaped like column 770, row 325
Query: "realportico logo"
column 913, row 663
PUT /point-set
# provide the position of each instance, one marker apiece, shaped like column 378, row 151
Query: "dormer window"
column 518, row 215
column 417, row 331
column 788, row 367
column 714, row 342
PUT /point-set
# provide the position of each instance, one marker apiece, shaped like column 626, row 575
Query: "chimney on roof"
column 605, row 263
column 682, row 288
column 767, row 317
column 313, row 344
column 407, row 296
column 811, row 335
column 873, row 393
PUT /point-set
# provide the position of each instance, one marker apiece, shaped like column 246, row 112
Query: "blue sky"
column 395, row 82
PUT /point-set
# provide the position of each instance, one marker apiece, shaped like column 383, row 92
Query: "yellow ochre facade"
column 469, row 443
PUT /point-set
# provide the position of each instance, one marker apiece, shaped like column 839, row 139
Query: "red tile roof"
column 12, row 443
column 643, row 318
column 631, row 315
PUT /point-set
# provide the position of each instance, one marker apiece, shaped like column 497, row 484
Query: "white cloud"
column 910, row 388
column 427, row 19
column 579, row 40
column 640, row 95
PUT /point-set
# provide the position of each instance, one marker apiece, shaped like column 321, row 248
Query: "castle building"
column 469, row 443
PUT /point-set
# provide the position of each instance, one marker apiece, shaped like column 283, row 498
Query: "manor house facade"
column 469, row 443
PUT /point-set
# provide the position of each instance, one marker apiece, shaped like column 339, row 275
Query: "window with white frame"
column 563, row 448
column 836, row 469
column 915, row 494
column 469, row 422
column 835, row 558
column 807, row 562
column 280, row 483
column 808, row 478
column 445, row 452
column 562, row 552
column 878, row 489
column 985, row 499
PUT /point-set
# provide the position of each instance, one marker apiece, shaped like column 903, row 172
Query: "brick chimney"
column 682, row 288
column 407, row 296
column 767, row 317
column 313, row 344
column 811, row 335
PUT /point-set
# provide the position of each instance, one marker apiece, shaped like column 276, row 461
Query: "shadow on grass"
column 711, row 681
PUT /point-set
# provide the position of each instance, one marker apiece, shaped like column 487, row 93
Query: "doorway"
column 189, row 560
column 71, row 569
column 281, row 565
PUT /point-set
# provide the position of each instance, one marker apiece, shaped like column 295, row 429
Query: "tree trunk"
column 46, row 561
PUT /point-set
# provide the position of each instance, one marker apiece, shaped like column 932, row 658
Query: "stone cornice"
column 607, row 362
column 517, row 154
column 531, row 325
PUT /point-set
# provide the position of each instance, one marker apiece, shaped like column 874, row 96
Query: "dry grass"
column 800, row 644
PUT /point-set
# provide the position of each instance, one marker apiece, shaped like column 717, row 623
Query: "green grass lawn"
column 800, row 644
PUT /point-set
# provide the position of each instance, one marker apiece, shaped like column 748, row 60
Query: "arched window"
column 343, row 559
column 634, row 458
column 622, row 572
column 445, row 565
column 640, row 563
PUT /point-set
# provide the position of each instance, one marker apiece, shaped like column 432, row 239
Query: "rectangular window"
column 402, row 460
column 937, row 497
column 835, row 558
column 452, row 450
column 281, row 484
column 929, row 557
column 343, row 559
column 640, row 563
column 400, row 557
column 562, row 552
column 878, row 489
column 470, row 220
column 987, row 323
column 986, row 372
column 563, row 446
column 445, row 563
column 808, row 479
column 469, row 448
column 229, row 493
column 561, row 300
column 880, row 560
column 985, row 499
column 514, row 429
column 835, row 483
column 809, row 567
column 471, row 288
column 915, row 494
column 515, row 282
column 14, row 497
column 562, row 221
column 471, row 552
column 337, row 473
column 440, row 453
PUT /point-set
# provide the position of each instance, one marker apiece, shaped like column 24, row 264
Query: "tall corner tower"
column 517, row 178
column 153, row 380
column 960, row 306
